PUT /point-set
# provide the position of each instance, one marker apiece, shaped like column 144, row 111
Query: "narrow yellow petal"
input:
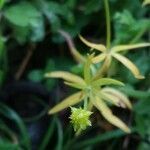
column 77, row 56
column 111, row 99
column 129, row 47
column 108, row 115
column 106, row 81
column 99, row 47
column 126, row 62
column 69, row 101
column 66, row 76
column 99, row 58
column 117, row 97
column 87, row 69
column 75, row 85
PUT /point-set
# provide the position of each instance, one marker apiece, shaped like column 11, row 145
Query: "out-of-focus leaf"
column 28, row 25
column 10, row 114
column 2, row 2
column 59, row 135
column 100, row 138
column 36, row 75
column 4, row 145
column 2, row 45
column 22, row 14
column 128, row 29
column 48, row 135
column 92, row 6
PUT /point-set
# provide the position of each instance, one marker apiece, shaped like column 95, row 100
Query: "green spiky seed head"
column 80, row 118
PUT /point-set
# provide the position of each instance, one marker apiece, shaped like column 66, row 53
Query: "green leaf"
column 48, row 135
column 10, row 114
column 100, row 138
column 22, row 14
column 2, row 2
column 36, row 75
column 4, row 145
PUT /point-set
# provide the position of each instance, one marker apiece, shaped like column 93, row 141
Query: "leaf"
column 69, row 101
column 99, row 47
column 107, row 114
column 97, row 139
column 119, row 96
column 66, row 76
column 36, row 75
column 119, row 48
column 2, row 2
column 99, row 58
column 48, row 134
column 106, row 81
column 126, row 62
column 22, row 14
column 10, row 114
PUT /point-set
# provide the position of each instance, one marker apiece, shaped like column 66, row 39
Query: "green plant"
column 91, row 86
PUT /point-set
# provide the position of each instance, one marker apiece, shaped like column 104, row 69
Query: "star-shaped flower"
column 93, row 92
column 114, row 52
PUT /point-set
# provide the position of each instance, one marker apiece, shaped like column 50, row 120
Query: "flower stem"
column 85, row 103
column 108, row 30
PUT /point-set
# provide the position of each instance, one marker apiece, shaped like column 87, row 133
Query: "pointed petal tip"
column 50, row 112
column 140, row 77
column 128, row 130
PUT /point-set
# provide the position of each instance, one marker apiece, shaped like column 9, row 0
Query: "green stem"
column 85, row 103
column 108, row 30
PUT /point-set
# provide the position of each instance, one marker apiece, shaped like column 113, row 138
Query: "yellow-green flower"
column 93, row 92
column 80, row 119
column 106, row 55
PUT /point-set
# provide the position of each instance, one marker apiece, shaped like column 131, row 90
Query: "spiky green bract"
column 80, row 119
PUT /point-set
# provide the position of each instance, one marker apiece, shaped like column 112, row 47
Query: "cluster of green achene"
column 94, row 90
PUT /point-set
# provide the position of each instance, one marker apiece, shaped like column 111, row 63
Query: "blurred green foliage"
column 23, row 22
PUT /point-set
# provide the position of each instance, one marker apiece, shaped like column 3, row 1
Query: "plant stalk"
column 108, row 28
